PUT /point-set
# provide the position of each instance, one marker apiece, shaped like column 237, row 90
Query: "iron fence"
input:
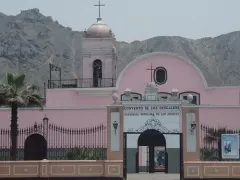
column 210, row 142
column 81, row 83
column 61, row 143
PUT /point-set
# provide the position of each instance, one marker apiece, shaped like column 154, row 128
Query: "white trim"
column 164, row 94
column 8, row 172
column 216, row 174
column 111, row 168
column 90, row 170
column 192, row 93
column 211, row 106
column 131, row 96
column 143, row 57
column 25, row 170
column 177, row 103
column 88, row 91
column 44, row 170
column 235, row 167
column 60, row 108
column 196, row 174
column 151, row 103
column 62, row 173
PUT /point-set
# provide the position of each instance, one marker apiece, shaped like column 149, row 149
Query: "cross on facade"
column 99, row 8
column 151, row 69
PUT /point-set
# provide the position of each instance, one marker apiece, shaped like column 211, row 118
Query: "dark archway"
column 97, row 73
column 153, row 139
column 35, row 147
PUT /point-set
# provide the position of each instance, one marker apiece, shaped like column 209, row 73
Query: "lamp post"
column 115, row 126
column 193, row 126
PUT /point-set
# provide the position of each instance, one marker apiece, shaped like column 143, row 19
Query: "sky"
column 140, row 19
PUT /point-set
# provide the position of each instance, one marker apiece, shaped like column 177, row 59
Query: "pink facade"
column 220, row 117
column 181, row 74
column 72, row 98
column 84, row 107
column 66, row 117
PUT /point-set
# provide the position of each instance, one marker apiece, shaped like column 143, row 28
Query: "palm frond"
column 10, row 78
column 16, row 91
column 19, row 80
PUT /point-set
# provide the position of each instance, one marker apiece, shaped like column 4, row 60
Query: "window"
column 164, row 95
column 160, row 75
column 133, row 97
column 97, row 73
column 196, row 97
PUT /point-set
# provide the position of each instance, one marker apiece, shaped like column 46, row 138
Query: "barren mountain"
column 30, row 41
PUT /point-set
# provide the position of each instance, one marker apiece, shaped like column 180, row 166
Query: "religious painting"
column 230, row 146
column 159, row 159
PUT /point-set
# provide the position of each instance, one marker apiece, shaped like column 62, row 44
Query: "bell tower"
column 99, row 54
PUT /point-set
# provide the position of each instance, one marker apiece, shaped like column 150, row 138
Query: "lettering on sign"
column 152, row 114
column 149, row 108
column 159, row 110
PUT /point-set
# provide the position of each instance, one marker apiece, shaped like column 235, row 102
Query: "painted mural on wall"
column 159, row 158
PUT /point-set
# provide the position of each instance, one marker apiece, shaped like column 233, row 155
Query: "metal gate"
column 62, row 143
column 181, row 170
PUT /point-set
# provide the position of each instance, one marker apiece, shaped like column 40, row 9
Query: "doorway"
column 153, row 144
column 158, row 157
column 35, row 147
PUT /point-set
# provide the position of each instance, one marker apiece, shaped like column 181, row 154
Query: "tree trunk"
column 14, row 131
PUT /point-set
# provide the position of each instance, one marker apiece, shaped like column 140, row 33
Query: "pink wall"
column 181, row 75
column 60, row 134
column 64, row 117
column 220, row 116
column 73, row 98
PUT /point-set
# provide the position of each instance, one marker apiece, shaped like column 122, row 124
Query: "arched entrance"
column 155, row 143
column 35, row 147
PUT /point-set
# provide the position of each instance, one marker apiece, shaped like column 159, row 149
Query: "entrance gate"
column 152, row 138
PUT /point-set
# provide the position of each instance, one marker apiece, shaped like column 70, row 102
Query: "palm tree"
column 16, row 93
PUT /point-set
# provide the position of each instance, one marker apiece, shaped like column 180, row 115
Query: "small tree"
column 16, row 93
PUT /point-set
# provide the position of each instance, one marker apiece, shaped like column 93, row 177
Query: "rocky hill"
column 30, row 41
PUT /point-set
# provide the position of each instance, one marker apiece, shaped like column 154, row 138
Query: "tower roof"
column 99, row 30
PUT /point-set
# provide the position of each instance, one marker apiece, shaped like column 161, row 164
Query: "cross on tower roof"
column 151, row 69
column 99, row 9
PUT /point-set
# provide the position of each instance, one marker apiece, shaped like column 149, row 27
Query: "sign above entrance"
column 130, row 110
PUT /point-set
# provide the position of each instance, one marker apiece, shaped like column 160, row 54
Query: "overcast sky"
column 140, row 19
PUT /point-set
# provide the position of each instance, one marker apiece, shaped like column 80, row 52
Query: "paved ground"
column 154, row 176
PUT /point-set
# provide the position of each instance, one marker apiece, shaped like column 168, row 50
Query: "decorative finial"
column 115, row 98
column 190, row 98
column 99, row 10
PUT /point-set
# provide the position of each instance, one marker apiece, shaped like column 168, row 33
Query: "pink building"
column 153, row 88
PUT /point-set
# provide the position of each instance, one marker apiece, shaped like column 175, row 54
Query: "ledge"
column 57, row 169
column 211, row 170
